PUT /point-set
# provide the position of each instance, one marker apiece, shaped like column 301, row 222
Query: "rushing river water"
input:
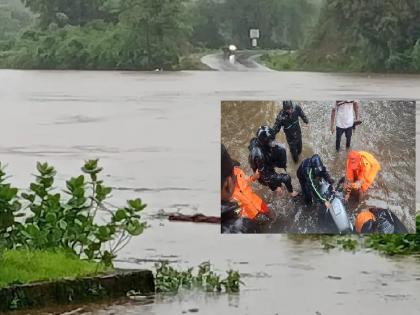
column 158, row 138
column 388, row 132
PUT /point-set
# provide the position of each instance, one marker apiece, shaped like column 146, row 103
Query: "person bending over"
column 265, row 155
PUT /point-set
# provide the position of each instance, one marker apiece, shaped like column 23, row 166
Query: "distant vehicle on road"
column 229, row 53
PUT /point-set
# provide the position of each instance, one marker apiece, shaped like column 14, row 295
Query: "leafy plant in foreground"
column 397, row 243
column 168, row 279
column 69, row 220
column 9, row 208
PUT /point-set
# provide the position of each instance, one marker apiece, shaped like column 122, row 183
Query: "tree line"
column 367, row 36
column 146, row 34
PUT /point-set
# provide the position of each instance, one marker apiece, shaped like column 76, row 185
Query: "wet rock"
column 334, row 277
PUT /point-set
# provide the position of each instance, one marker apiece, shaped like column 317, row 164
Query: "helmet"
column 287, row 105
column 317, row 166
column 365, row 222
column 265, row 135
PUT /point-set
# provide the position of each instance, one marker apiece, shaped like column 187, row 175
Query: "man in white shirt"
column 343, row 116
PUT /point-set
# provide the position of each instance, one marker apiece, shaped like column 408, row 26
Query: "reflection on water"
column 291, row 278
column 387, row 131
column 158, row 137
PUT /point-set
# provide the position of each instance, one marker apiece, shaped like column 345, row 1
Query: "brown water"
column 388, row 132
column 158, row 138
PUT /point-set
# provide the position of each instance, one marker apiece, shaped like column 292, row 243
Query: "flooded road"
column 388, row 132
column 158, row 138
column 245, row 61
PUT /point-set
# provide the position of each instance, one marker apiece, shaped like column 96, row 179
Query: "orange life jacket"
column 248, row 201
column 362, row 218
column 366, row 170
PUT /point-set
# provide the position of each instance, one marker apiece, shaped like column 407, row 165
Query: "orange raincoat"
column 248, row 201
column 362, row 166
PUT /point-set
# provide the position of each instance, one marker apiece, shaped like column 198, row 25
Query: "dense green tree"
column 369, row 35
column 155, row 31
column 282, row 23
column 206, row 18
column 74, row 12
column 13, row 18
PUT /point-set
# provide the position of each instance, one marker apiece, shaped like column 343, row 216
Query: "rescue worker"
column 310, row 171
column 288, row 118
column 252, row 206
column 378, row 220
column 361, row 170
column 231, row 222
column 264, row 156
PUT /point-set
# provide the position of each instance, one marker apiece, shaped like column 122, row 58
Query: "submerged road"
column 245, row 61
column 158, row 138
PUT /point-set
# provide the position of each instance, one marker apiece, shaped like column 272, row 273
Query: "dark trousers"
column 275, row 180
column 305, row 186
column 296, row 149
column 340, row 131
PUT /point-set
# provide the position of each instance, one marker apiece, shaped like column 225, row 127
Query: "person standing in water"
column 344, row 114
column 288, row 118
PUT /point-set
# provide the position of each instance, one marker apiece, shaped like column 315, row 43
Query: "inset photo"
column 336, row 167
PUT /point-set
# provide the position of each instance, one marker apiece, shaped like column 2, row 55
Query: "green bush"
column 68, row 220
column 398, row 243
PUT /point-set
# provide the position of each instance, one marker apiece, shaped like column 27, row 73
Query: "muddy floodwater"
column 158, row 138
column 388, row 132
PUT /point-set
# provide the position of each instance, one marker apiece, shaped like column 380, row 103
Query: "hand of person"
column 346, row 197
column 257, row 175
column 279, row 191
column 327, row 204
column 357, row 184
column 294, row 194
column 332, row 130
